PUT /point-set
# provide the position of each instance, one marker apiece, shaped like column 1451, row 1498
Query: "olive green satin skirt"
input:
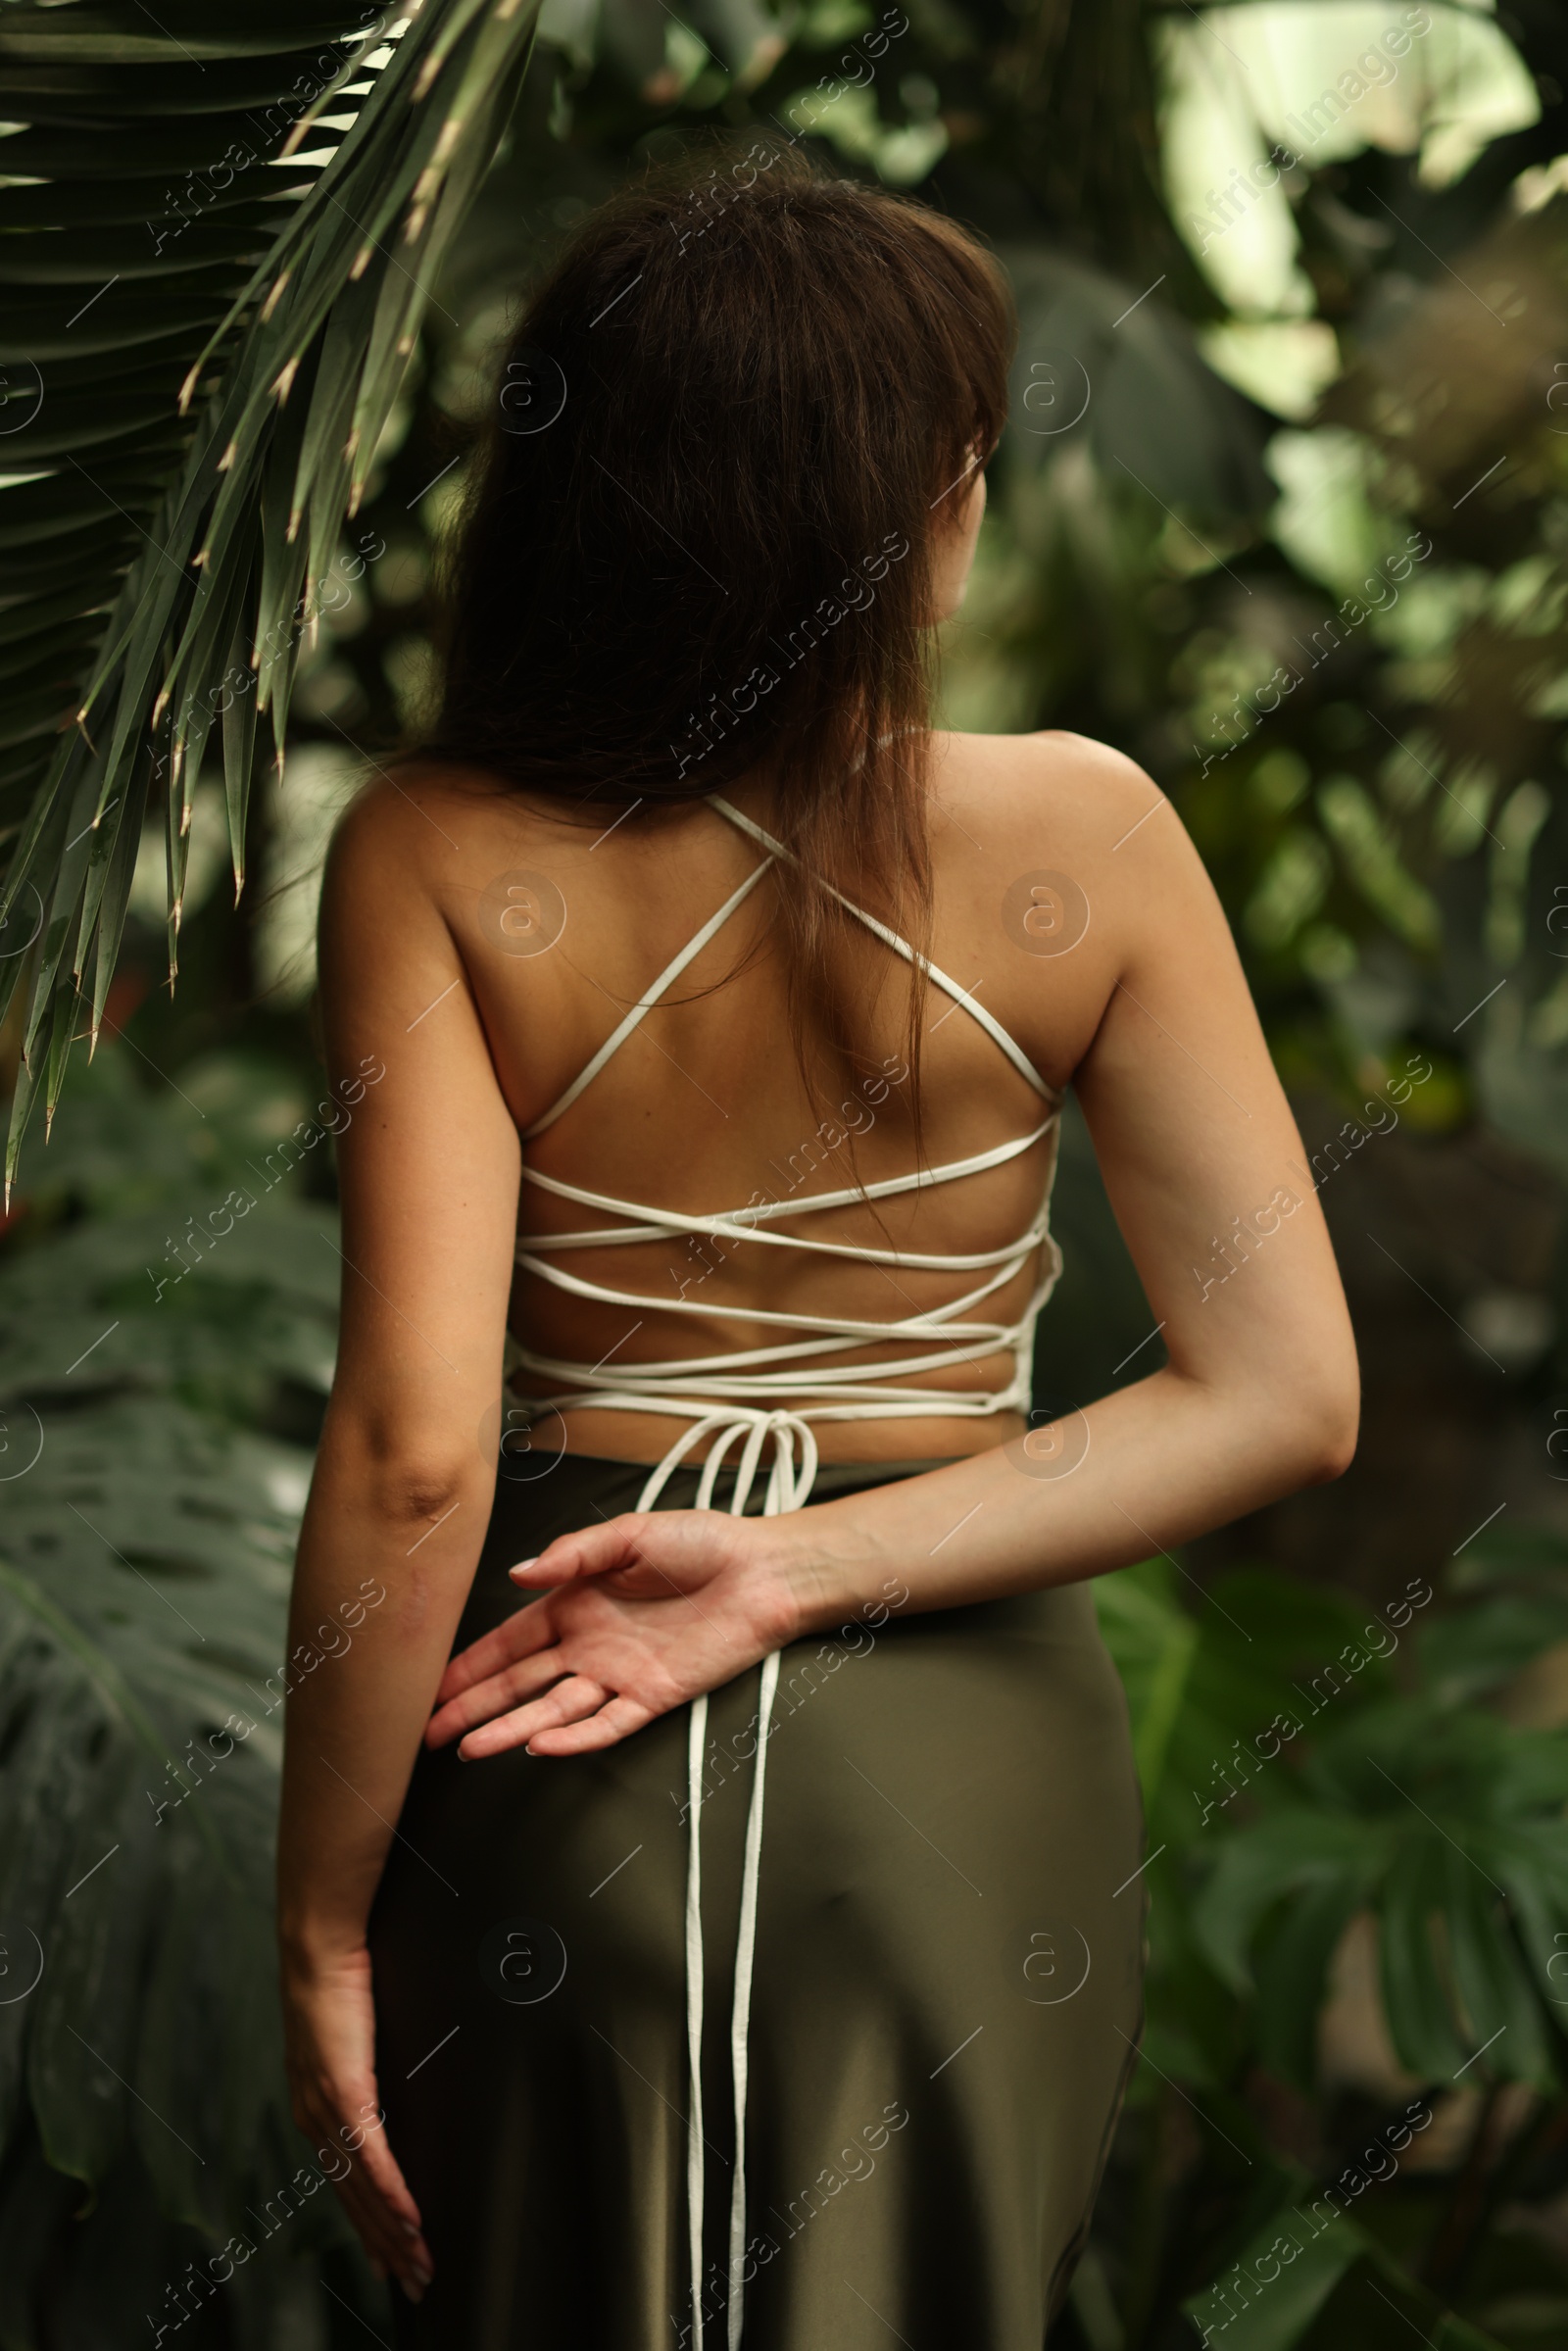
column 945, row 2002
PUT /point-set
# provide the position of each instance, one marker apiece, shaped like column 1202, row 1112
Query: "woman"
column 747, row 1946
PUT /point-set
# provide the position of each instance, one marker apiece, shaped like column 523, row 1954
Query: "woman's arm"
column 428, row 1165
column 1206, row 1174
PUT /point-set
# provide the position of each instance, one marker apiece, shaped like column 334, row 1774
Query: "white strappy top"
column 773, row 1394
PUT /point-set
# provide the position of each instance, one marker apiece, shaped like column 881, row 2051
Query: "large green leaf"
column 144, row 1573
column 1449, row 1828
column 203, row 622
column 149, row 188
column 1319, row 2279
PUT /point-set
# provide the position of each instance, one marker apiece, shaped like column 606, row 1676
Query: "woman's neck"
column 756, row 795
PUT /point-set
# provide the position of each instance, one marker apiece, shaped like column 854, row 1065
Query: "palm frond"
column 292, row 322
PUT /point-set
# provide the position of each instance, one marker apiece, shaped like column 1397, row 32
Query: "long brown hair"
column 698, row 535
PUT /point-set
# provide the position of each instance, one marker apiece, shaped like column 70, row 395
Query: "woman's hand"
column 329, row 2041
column 638, row 1615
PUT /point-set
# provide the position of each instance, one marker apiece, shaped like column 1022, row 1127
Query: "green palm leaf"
column 263, row 360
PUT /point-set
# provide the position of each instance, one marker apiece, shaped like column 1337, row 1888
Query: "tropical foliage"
column 302, row 325
column 166, row 1349
column 1321, row 1781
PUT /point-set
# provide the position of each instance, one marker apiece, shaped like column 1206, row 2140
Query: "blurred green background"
column 1283, row 513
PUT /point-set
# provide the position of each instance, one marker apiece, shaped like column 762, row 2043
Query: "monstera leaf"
column 141, row 1607
column 1289, row 1787
column 1449, row 1828
column 144, row 1572
column 1445, row 1820
column 1322, row 2279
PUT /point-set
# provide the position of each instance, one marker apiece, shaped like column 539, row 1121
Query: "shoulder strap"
column 933, row 972
column 645, row 1002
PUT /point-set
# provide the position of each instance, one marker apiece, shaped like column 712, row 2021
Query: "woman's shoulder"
column 1064, row 849
column 427, row 820
column 1053, row 791
column 1050, row 799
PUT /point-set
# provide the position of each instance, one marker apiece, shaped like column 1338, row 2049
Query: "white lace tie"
column 787, row 1490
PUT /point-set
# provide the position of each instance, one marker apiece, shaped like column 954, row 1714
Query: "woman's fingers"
column 530, row 1628
column 377, row 2198
column 330, row 2027
column 589, row 1551
column 606, row 1626
column 614, row 1722
column 568, row 1702
column 498, row 1696
column 595, row 1551
column 386, row 2174
column 383, row 2238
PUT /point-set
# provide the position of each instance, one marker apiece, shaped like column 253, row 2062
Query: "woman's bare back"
column 561, row 926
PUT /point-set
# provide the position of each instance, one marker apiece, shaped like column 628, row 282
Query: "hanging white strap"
column 740, row 2020
column 696, row 1740
column 788, row 1488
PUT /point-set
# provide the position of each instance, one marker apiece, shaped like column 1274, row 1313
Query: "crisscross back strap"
column 933, row 971
column 745, row 1224
column 647, row 1000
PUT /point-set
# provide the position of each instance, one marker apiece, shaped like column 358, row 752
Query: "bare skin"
column 1146, row 1015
